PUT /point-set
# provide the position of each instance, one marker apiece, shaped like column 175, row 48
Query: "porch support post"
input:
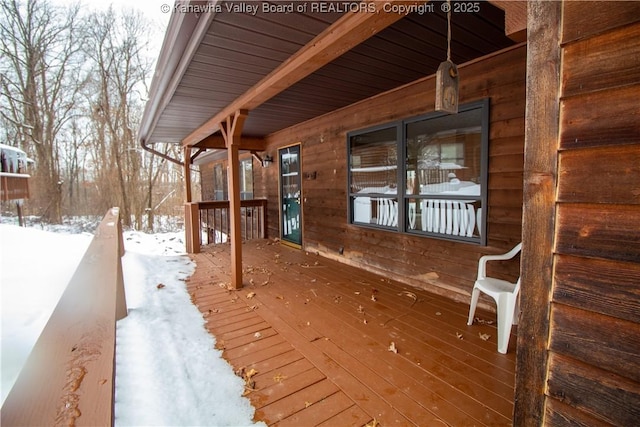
column 191, row 211
column 542, row 130
column 231, row 130
column 187, row 173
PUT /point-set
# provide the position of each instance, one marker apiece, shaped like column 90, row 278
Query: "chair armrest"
column 482, row 263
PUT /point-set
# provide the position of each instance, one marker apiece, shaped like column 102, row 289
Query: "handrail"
column 218, row 204
column 68, row 378
column 211, row 218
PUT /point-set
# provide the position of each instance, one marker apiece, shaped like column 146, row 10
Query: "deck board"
column 318, row 333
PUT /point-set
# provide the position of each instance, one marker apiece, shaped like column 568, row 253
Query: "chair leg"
column 506, row 308
column 474, row 302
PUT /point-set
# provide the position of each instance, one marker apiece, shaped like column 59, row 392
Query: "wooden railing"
column 14, row 186
column 208, row 222
column 68, row 378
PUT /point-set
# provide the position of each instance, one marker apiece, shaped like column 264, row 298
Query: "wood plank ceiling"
column 239, row 49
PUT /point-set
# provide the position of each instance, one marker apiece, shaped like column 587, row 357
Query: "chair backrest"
column 500, row 257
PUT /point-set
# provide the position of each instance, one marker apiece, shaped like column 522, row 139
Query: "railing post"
column 192, row 227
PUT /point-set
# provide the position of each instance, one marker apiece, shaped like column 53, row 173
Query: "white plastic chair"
column 503, row 292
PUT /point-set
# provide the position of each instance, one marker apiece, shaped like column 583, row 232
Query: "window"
column 246, row 179
column 220, row 180
column 442, row 167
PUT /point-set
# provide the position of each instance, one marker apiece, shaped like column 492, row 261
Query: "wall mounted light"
column 266, row 162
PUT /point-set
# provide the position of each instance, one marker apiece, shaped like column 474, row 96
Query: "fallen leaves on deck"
column 411, row 295
column 247, row 376
column 160, row 286
column 251, row 295
column 373, row 423
column 393, row 348
column 279, row 378
column 459, row 336
column 484, row 337
column 210, row 312
column 484, row 322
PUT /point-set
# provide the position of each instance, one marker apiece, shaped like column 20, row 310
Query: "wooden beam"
column 231, row 129
column 249, row 143
column 542, row 118
column 515, row 18
column 347, row 32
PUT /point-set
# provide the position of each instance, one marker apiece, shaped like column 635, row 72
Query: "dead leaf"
column 251, row 295
column 279, row 297
column 438, row 313
column 409, row 294
column 160, row 286
column 257, row 335
column 392, row 347
column 484, row 337
column 373, row 298
column 357, row 293
column 102, row 382
column 459, row 336
column 373, row 423
column 360, row 309
column 307, row 404
column 279, row 378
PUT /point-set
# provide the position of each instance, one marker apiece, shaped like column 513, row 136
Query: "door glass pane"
column 290, row 180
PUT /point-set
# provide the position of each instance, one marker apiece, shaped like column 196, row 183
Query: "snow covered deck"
column 323, row 343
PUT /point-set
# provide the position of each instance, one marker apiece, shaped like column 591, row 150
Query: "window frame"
column 403, row 198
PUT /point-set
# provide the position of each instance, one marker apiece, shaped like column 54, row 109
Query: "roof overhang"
column 288, row 68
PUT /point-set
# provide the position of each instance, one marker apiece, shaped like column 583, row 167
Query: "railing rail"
column 208, row 222
column 68, row 378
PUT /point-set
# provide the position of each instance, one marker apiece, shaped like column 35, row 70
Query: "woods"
column 74, row 82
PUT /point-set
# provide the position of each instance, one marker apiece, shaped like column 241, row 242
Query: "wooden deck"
column 325, row 344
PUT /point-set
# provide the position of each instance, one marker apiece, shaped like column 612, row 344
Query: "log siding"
column 594, row 342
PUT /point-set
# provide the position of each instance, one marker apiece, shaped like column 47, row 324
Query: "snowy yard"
column 167, row 369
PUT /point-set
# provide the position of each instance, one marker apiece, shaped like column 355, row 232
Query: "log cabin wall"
column 441, row 266
column 593, row 373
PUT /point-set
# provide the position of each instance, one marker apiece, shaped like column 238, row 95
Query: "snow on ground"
column 167, row 369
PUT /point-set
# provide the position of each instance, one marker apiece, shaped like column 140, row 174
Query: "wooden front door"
column 290, row 195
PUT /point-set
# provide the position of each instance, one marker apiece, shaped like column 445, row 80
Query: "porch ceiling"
column 237, row 50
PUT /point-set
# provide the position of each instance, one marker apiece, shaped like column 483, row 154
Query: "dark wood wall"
column 594, row 345
column 441, row 266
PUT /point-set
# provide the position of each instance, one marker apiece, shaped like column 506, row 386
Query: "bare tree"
column 116, row 45
column 41, row 78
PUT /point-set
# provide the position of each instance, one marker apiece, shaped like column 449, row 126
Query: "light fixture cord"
column 449, row 31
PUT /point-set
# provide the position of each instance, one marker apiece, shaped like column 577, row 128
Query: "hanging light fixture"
column 447, row 80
